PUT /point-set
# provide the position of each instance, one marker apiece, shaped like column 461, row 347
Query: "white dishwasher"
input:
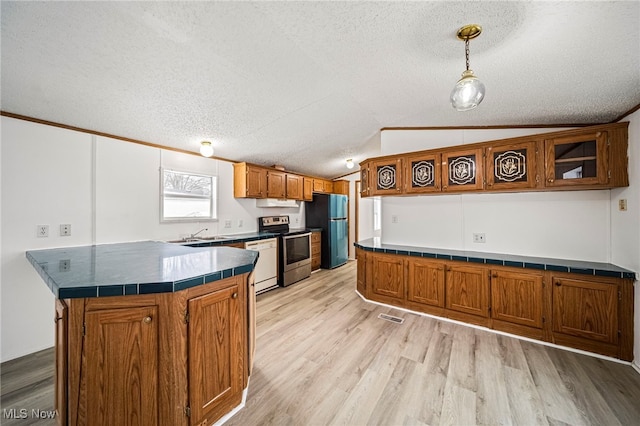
column 266, row 270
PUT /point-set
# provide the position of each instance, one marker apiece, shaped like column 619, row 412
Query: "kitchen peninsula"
column 149, row 332
column 583, row 305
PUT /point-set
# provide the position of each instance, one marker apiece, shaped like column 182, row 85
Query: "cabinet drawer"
column 315, row 237
column 315, row 250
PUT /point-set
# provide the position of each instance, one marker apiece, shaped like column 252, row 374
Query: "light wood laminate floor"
column 324, row 357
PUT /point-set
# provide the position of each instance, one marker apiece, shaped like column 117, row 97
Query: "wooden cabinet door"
column 422, row 173
column 215, row 354
column 256, row 182
column 585, row 308
column 468, row 290
column 276, row 184
column 328, row 186
column 387, row 177
column 318, row 185
column 388, row 277
column 307, row 189
column 341, row 187
column 294, row 187
column 577, row 160
column 316, row 250
column 365, row 189
column 516, row 297
column 62, row 333
column 361, row 284
column 426, row 282
column 462, row 170
column 512, row 166
column 121, row 366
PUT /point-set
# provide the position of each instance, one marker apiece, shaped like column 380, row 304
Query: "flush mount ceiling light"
column 206, row 149
column 468, row 91
column 350, row 163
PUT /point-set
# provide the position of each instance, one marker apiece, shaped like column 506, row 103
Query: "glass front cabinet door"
column 462, row 170
column 387, row 177
column 365, row 186
column 577, row 160
column 422, row 173
column 512, row 166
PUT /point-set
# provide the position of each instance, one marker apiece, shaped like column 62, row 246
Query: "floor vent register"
column 391, row 318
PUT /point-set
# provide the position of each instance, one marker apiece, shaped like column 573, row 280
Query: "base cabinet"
column 591, row 313
column 160, row 359
column 316, row 250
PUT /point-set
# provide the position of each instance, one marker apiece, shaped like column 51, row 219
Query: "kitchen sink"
column 196, row 240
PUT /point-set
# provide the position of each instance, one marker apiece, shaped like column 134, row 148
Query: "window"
column 188, row 196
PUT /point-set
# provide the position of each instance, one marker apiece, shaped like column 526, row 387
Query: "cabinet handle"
column 558, row 284
column 234, row 295
column 494, row 275
column 550, row 180
column 147, row 320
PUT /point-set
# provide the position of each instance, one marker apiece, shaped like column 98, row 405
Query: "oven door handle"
column 288, row 237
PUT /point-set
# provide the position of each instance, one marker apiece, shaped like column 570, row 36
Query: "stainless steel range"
column 295, row 248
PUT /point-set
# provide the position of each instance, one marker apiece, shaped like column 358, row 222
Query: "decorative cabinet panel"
column 462, row 170
column 276, row 184
column 386, row 177
column 307, row 189
column 577, row 160
column 425, row 282
column 422, row 173
column 517, row 297
column 215, row 354
column 341, row 187
column 120, row 372
column 294, row 187
column 388, row 271
column 585, row 308
column 468, row 290
column 249, row 181
column 512, row 166
column 365, row 182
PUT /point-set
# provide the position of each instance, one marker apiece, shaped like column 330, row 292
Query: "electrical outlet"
column 227, row 224
column 65, row 230
column 622, row 204
column 240, row 223
column 394, row 219
column 64, row 265
column 42, row 231
column 479, row 238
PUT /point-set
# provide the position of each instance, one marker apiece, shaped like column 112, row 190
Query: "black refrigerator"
column 329, row 212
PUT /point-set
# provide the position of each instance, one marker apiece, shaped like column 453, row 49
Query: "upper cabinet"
column 577, row 160
column 512, row 166
column 592, row 157
column 253, row 181
column 387, row 177
column 422, row 173
column 462, row 170
column 249, row 181
column 276, row 184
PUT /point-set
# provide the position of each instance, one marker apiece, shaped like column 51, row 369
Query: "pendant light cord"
column 466, row 51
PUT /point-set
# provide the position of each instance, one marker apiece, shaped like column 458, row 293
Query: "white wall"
column 625, row 225
column 108, row 191
column 583, row 225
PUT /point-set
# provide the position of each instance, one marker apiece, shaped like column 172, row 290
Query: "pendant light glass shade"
column 350, row 163
column 468, row 92
column 206, row 149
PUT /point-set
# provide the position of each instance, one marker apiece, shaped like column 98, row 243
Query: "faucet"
column 193, row 236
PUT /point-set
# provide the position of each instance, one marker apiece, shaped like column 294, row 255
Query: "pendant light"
column 468, row 91
column 350, row 163
column 206, row 149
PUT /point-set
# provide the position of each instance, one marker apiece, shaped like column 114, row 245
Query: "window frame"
column 213, row 198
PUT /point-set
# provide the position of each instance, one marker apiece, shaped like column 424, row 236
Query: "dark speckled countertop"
column 135, row 268
column 541, row 263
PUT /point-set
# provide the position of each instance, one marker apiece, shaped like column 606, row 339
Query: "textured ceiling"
column 308, row 84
